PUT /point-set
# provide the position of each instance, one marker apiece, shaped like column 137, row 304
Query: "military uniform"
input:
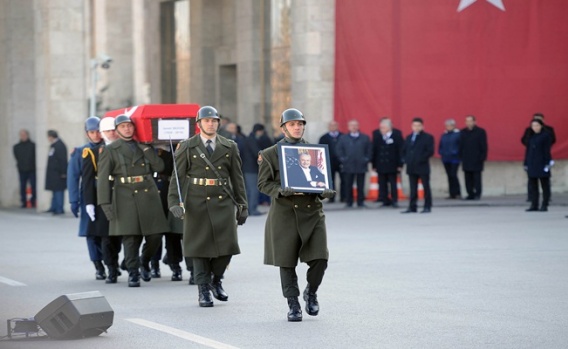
column 133, row 198
column 210, row 228
column 100, row 226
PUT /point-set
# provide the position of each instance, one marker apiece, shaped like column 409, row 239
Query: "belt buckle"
column 209, row 181
column 137, row 179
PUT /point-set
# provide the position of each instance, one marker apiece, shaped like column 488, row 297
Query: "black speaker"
column 76, row 315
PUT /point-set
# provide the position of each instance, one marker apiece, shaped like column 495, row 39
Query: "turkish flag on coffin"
column 500, row 60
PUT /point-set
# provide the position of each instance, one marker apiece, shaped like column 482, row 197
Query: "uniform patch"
column 179, row 144
column 259, row 159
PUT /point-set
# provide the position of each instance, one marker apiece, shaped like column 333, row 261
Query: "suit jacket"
column 537, row 155
column 387, row 154
column 354, row 153
column 56, row 173
column 297, row 178
column 332, row 146
column 473, row 149
column 417, row 154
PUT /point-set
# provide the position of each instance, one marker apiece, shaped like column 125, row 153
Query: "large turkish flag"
column 500, row 60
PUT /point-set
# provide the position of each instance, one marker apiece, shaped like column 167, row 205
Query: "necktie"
column 209, row 147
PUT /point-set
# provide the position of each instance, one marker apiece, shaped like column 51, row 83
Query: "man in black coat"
column 249, row 156
column 387, row 160
column 331, row 138
column 525, row 141
column 418, row 149
column 24, row 152
column 354, row 151
column 56, row 173
column 473, row 152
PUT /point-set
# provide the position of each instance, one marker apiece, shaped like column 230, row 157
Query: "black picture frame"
column 293, row 175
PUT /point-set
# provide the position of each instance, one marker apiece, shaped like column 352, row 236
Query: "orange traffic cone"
column 354, row 188
column 420, row 190
column 399, row 190
column 28, row 197
column 373, row 193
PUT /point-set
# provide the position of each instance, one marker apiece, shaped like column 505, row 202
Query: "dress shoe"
column 112, row 275
column 48, row 211
column 134, row 279
column 361, row 206
column 543, row 208
column 469, row 198
column 532, row 209
column 394, row 205
column 312, row 305
column 387, row 204
column 145, row 271
column 409, row 211
column 426, row 210
column 295, row 312
column 205, row 300
column 176, row 273
column 218, row 291
column 155, row 270
column 100, row 274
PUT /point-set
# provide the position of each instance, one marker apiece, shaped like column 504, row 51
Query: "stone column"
column 313, row 50
column 60, row 69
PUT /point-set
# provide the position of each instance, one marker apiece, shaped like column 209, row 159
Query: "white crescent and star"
column 466, row 3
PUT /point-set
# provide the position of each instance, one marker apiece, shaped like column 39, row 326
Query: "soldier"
column 212, row 185
column 99, row 225
column 132, row 202
column 76, row 199
column 295, row 226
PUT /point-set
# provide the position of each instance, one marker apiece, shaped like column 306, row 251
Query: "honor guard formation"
column 129, row 194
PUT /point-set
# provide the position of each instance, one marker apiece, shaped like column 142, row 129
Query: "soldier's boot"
column 112, row 275
column 100, row 274
column 205, row 299
column 311, row 298
column 217, row 290
column 295, row 312
column 134, row 278
column 156, row 273
column 145, row 272
column 176, row 272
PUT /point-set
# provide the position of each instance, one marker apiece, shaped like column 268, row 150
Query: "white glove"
column 90, row 211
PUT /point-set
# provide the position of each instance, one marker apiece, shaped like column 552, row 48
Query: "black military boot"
column 295, row 313
column 112, row 275
column 134, row 278
column 100, row 274
column 176, row 272
column 217, row 290
column 145, row 272
column 156, row 269
column 205, row 299
column 311, row 298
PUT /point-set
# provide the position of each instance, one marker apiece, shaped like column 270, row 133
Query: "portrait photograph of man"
column 305, row 168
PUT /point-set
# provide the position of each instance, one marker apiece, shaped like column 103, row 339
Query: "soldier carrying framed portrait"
column 305, row 167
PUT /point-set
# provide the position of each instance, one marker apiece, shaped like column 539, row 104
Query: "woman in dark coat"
column 537, row 165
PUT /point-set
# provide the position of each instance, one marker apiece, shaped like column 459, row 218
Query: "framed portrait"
column 305, row 167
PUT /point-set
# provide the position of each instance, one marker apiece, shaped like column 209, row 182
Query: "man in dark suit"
column 387, row 160
column 56, row 173
column 331, row 138
column 418, row 149
column 473, row 152
column 24, row 152
column 354, row 151
column 304, row 175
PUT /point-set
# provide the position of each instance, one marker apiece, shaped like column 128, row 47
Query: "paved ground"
column 483, row 276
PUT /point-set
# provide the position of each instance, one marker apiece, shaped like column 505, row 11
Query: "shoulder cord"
column 202, row 155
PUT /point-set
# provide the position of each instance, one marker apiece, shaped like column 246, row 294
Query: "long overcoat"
column 537, row 156
column 210, row 226
column 56, row 172
column 89, row 170
column 136, row 206
column 473, row 149
column 295, row 226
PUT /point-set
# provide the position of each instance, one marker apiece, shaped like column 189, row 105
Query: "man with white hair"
column 387, row 160
column 449, row 150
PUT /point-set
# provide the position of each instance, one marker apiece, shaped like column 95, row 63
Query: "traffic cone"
column 399, row 190
column 354, row 188
column 373, row 193
column 28, row 197
column 420, row 190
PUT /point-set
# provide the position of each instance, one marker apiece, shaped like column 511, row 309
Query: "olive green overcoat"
column 295, row 226
column 210, row 226
column 136, row 206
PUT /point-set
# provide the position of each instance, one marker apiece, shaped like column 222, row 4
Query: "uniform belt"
column 208, row 181
column 131, row 179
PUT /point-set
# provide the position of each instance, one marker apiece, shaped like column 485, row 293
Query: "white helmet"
column 106, row 124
